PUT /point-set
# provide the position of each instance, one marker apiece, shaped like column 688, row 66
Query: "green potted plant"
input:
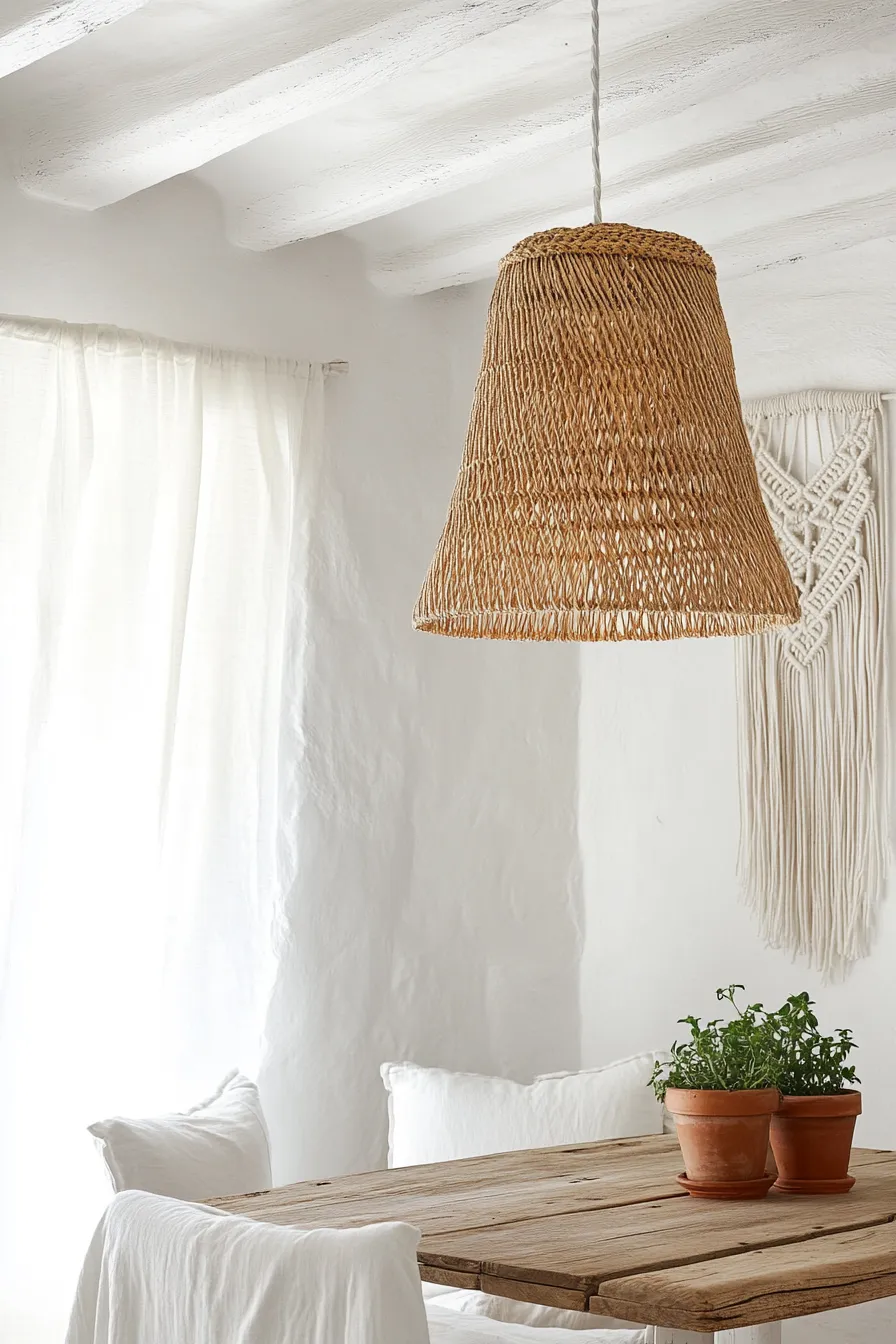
column 721, row 1087
column 812, row 1132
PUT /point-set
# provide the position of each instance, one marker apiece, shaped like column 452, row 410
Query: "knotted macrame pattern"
column 812, row 703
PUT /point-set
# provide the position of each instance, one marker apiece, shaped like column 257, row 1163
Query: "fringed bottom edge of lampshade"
column 604, row 626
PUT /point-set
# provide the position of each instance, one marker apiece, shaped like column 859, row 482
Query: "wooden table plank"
column 479, row 1191
column 557, row 1226
column 772, row 1284
column 578, row 1251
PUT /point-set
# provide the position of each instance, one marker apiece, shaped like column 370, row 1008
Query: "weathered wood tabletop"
column 605, row 1228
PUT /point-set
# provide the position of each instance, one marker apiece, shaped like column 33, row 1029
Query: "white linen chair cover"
column 160, row 1271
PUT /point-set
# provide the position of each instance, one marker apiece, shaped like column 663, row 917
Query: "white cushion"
column 451, row 1327
column 472, row 1303
column 436, row 1115
column 219, row 1147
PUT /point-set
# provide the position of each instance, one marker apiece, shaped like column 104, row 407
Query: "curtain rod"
column 335, row 367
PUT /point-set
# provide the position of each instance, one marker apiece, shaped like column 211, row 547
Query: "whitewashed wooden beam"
column 646, row 84
column 410, row 167
column 32, row 29
column 277, row 66
column 729, row 146
column 834, row 228
column 791, row 214
column 845, row 219
column 282, row 63
column 755, row 157
column 470, row 254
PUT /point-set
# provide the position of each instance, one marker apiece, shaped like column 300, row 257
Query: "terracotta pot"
column 724, row 1139
column 811, row 1140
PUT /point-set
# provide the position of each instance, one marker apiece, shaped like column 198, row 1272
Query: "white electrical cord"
column 595, row 108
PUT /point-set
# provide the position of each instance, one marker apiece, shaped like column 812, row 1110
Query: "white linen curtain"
column 153, row 533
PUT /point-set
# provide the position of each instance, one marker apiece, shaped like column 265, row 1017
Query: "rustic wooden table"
column 605, row 1228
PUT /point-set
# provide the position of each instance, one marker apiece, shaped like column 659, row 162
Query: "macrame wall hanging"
column 812, row 699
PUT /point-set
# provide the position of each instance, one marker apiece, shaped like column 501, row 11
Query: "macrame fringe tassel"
column 813, row 735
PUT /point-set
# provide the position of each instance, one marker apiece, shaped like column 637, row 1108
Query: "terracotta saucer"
column 841, row 1186
column 728, row 1189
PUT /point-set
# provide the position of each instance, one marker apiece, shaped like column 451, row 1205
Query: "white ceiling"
column 438, row 132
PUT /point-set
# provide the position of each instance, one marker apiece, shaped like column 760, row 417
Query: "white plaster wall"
column 658, row 807
column 436, row 917
column 440, row 876
column 446, row 785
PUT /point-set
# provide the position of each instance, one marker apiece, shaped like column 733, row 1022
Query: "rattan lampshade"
column 607, row 489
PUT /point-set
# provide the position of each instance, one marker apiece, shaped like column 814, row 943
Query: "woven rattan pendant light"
column 607, row 489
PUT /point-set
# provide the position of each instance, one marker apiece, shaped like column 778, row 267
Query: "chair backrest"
column 159, row 1269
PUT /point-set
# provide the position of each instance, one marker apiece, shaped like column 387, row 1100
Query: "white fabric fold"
column 452, row 1327
column 160, row 1271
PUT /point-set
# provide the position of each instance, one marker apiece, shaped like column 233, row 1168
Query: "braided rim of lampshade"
column 621, row 240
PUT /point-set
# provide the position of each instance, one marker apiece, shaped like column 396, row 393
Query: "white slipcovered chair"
column 161, row 1271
